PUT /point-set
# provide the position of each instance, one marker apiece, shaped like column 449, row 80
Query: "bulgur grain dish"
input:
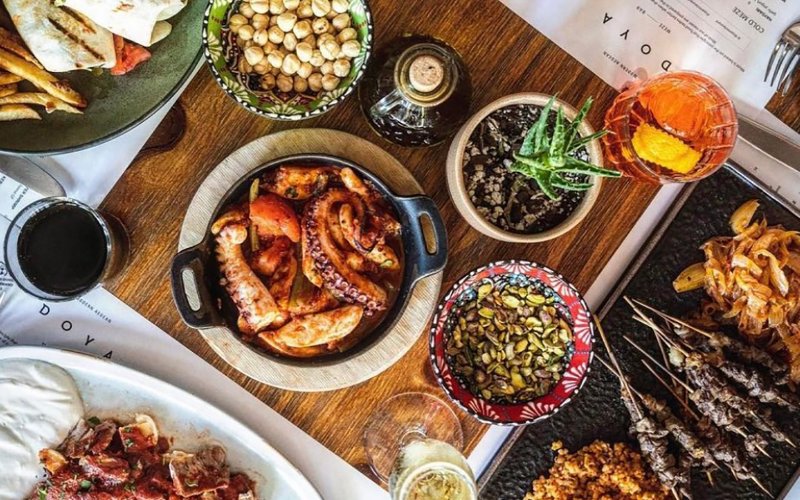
column 598, row 471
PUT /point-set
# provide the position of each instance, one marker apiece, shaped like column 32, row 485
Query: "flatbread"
column 60, row 38
column 140, row 21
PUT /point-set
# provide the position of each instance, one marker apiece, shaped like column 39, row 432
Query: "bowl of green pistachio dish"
column 511, row 342
column 526, row 168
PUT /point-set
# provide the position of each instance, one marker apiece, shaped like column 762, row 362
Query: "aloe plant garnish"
column 545, row 156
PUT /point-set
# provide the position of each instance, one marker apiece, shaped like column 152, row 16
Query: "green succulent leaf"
column 545, row 180
column 575, row 124
column 520, row 168
column 557, row 144
column 533, row 162
column 545, row 155
column 528, row 147
column 561, row 183
column 540, row 140
column 576, row 166
column 583, row 141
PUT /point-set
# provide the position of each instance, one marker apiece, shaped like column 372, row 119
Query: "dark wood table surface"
column 505, row 55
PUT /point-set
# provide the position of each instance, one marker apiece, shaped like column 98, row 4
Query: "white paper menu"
column 101, row 324
column 730, row 40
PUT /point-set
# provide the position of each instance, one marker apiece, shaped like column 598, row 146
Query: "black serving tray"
column 701, row 211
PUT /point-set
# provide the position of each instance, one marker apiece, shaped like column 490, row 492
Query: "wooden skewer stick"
column 676, row 343
column 622, row 380
column 660, row 335
column 785, row 438
column 752, row 478
column 763, row 488
column 653, row 360
column 671, row 390
column 639, row 317
column 673, row 319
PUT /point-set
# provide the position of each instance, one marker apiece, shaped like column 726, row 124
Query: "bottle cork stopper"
column 426, row 73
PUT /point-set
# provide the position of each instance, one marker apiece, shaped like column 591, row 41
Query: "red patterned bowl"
column 570, row 304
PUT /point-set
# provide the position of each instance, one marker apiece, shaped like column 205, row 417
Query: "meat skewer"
column 706, row 376
column 745, row 352
column 719, row 447
column 754, row 443
column 752, row 380
column 652, row 440
column 721, row 414
column 757, row 385
column 716, row 448
column 701, row 374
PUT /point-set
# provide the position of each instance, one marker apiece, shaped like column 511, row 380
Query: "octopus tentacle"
column 299, row 183
column 378, row 213
column 379, row 253
column 344, row 282
column 257, row 307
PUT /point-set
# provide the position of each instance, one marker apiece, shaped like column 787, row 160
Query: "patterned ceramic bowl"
column 222, row 55
column 571, row 306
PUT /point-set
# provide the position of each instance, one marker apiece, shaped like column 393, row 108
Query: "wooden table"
column 505, row 55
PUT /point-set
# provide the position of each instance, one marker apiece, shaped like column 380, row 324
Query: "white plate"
column 111, row 390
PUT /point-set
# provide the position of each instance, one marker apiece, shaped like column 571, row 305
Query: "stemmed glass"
column 413, row 442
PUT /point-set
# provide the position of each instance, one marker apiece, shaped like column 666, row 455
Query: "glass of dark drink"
column 59, row 248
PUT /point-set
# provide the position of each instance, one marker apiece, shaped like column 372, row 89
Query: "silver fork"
column 787, row 52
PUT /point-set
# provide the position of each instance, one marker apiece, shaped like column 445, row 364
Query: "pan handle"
column 205, row 316
column 427, row 263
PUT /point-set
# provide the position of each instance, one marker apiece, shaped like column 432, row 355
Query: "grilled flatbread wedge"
column 140, row 21
column 60, row 38
column 49, row 102
column 41, row 78
column 11, row 112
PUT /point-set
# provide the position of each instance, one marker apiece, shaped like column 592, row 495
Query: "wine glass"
column 413, row 442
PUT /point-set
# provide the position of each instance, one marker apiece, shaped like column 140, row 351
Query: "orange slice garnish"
column 659, row 147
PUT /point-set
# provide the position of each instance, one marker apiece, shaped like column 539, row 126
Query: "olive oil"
column 418, row 93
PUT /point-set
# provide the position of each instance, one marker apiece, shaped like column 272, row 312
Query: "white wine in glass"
column 431, row 470
column 413, row 442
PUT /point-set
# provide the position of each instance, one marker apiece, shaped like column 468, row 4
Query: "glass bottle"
column 417, row 93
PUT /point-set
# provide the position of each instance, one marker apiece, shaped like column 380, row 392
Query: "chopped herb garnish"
column 128, row 443
column 42, row 493
column 92, row 421
column 130, row 487
column 291, row 192
column 86, row 484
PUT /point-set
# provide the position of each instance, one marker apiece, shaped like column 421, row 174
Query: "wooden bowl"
column 567, row 300
column 458, row 191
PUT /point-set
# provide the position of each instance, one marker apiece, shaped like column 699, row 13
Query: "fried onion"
column 753, row 278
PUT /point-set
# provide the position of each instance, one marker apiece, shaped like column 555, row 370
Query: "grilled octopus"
column 345, row 233
column 291, row 298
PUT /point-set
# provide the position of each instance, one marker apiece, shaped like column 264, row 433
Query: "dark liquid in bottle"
column 62, row 250
column 413, row 124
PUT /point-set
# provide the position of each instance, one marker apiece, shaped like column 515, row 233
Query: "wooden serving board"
column 310, row 377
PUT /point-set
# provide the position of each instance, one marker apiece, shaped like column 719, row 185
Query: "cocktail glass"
column 674, row 127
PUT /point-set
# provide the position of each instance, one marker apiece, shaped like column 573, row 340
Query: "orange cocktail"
column 675, row 127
